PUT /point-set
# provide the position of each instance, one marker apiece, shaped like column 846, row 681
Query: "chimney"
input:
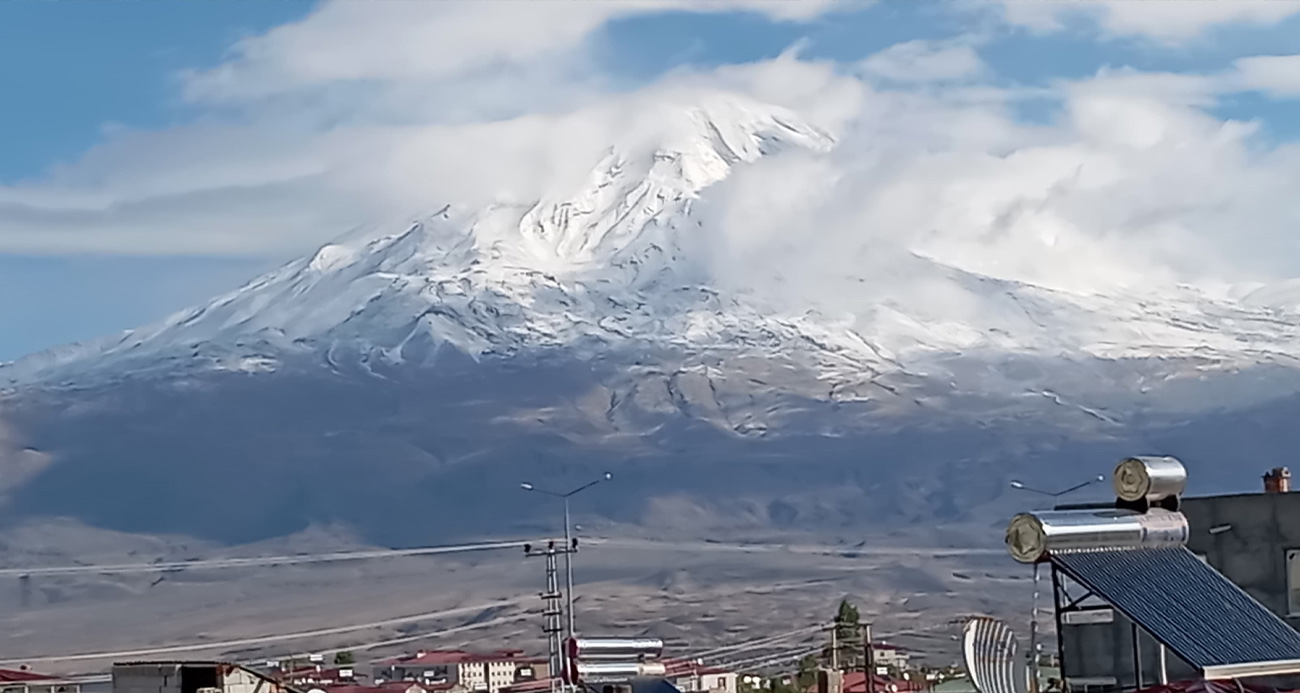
column 1278, row 480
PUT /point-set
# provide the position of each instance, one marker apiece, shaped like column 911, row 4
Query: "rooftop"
column 18, row 675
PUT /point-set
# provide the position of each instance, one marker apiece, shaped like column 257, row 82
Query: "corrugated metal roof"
column 1185, row 604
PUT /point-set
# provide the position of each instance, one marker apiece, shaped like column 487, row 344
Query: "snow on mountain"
column 617, row 265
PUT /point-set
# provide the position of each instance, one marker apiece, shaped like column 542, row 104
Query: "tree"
column 344, row 658
column 848, row 635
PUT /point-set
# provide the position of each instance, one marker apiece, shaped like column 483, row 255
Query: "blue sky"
column 154, row 154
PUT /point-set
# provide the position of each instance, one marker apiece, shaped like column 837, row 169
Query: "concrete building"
column 468, row 671
column 891, row 657
column 193, row 677
column 1252, row 539
column 695, row 677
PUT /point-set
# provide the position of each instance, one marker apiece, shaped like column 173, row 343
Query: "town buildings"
column 467, row 671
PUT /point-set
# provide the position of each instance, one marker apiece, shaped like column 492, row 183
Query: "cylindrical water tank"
column 610, row 672
column 1032, row 537
column 1150, row 478
column 616, row 648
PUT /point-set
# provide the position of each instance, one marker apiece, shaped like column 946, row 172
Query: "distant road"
column 340, row 556
column 217, row 563
column 818, row 549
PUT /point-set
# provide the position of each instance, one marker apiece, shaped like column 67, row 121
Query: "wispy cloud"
column 1163, row 21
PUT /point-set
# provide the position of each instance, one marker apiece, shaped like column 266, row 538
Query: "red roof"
column 856, row 682
column 16, row 675
column 529, row 686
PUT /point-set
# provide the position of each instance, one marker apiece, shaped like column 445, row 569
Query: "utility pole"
column 869, row 659
column 553, row 610
column 1035, row 647
column 570, row 546
column 835, row 645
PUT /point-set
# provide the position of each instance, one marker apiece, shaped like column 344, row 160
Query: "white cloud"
column 412, row 44
column 1167, row 21
column 1276, row 75
column 1133, row 187
column 924, row 61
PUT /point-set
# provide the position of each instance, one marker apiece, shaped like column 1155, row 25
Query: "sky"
column 153, row 155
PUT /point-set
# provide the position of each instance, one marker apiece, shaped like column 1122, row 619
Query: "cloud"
column 413, row 44
column 1275, row 75
column 356, row 112
column 924, row 61
column 1132, row 183
column 1166, row 21
column 1134, row 187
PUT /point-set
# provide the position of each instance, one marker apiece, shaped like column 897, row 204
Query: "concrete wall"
column 1252, row 554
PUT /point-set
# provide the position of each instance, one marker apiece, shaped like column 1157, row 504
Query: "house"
column 856, row 682
column 892, row 657
column 694, row 676
column 193, row 677
column 1252, row 539
column 469, row 671
column 24, row 681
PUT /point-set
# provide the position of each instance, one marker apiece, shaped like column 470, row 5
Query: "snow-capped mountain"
column 592, row 318
column 616, row 265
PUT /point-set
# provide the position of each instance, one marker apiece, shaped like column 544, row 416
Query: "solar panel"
column 1190, row 608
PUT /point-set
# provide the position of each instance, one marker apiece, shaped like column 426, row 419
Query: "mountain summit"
column 608, row 261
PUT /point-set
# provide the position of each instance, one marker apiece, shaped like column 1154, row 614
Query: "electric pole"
column 869, row 659
column 570, row 545
column 553, row 610
column 835, row 646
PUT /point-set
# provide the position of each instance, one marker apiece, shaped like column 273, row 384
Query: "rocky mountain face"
column 404, row 378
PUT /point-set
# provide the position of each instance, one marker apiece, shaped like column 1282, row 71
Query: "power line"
column 263, row 639
column 767, row 660
column 751, row 644
column 219, row 563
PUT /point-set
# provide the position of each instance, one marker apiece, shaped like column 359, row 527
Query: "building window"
column 1293, row 582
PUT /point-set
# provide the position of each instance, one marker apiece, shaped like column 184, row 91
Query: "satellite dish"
column 991, row 655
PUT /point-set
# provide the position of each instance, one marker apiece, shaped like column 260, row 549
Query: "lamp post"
column 568, row 540
column 1034, row 647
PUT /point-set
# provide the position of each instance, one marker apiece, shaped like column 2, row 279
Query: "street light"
column 1034, row 646
column 1056, row 494
column 568, row 538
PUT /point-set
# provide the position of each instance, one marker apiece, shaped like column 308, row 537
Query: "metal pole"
column 870, row 678
column 1137, row 657
column 1164, row 666
column 835, row 645
column 1060, row 632
column 1034, row 646
column 568, row 568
